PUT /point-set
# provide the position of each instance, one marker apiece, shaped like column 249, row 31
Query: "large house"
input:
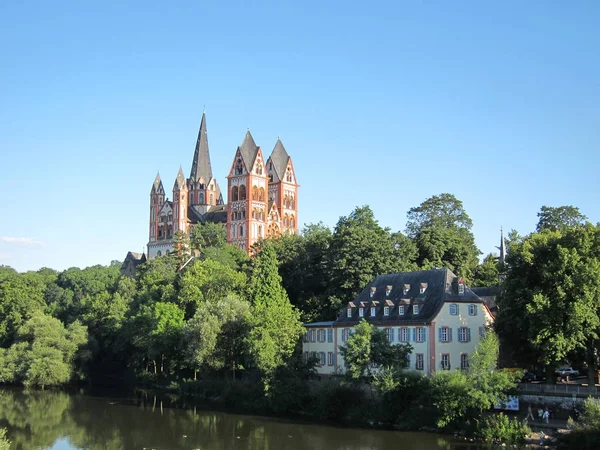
column 432, row 310
column 262, row 194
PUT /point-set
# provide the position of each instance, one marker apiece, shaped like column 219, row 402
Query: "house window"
column 403, row 334
column 345, row 334
column 361, row 312
column 453, row 309
column 322, row 361
column 445, row 334
column 312, row 336
column 330, row 359
column 372, row 312
column 306, row 337
column 445, row 362
column 349, row 312
column 401, row 310
column 321, row 335
column 464, row 334
column 464, row 361
column 420, row 334
column 415, row 309
column 330, row 335
column 386, row 310
column 472, row 310
column 390, row 334
column 461, row 289
column 419, row 361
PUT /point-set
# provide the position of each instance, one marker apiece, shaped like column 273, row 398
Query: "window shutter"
column 414, row 333
column 391, row 335
column 425, row 334
column 449, row 334
column 440, row 334
column 468, row 335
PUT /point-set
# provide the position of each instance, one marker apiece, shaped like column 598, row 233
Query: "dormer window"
column 373, row 311
column 361, row 312
column 386, row 310
column 422, row 288
column 401, row 310
column 405, row 289
column 461, row 287
column 349, row 312
column 372, row 293
column 415, row 309
column 388, row 290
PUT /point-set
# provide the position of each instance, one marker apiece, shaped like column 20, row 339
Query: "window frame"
column 445, row 361
column 472, row 309
column 454, row 309
column 464, row 361
column 386, row 311
column 416, row 309
column 419, row 361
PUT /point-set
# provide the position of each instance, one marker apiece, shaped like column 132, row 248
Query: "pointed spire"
column 180, row 180
column 280, row 158
column 249, row 150
column 201, row 165
column 502, row 247
column 157, row 183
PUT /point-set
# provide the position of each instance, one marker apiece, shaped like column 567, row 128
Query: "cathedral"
column 262, row 197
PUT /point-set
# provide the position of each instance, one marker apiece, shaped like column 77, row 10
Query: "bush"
column 499, row 428
column 341, row 403
column 4, row 443
column 584, row 434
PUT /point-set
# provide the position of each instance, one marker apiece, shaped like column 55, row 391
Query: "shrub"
column 585, row 433
column 499, row 428
column 4, row 443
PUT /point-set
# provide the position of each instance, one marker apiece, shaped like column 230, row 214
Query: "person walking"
column 540, row 413
column 529, row 413
column 546, row 416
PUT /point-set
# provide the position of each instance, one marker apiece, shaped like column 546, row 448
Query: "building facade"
column 432, row 310
column 263, row 197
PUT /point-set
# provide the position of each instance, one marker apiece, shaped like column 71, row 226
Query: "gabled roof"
column 248, row 150
column 441, row 287
column 215, row 214
column 201, row 164
column 280, row 158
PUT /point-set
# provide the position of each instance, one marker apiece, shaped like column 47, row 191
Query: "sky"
column 378, row 103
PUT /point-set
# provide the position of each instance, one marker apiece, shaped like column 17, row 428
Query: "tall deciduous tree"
column 487, row 273
column 275, row 323
column 549, row 306
column 441, row 229
column 556, row 218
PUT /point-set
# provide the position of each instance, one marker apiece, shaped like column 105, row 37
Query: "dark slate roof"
column 280, row 158
column 201, row 164
column 215, row 214
column 249, row 150
column 319, row 324
column 488, row 291
column 157, row 186
column 180, row 180
column 442, row 287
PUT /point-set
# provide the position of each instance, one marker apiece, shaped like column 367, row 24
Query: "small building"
column 132, row 260
column 432, row 310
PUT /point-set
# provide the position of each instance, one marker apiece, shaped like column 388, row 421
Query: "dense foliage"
column 585, row 433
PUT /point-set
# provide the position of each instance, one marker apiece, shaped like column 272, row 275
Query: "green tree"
column 549, row 305
column 182, row 248
column 156, row 280
column 584, row 434
column 275, row 323
column 360, row 250
column 215, row 336
column 369, row 347
column 556, row 218
column 441, row 229
column 4, row 442
column 487, row 273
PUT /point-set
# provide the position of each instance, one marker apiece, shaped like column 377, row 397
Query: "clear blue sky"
column 378, row 103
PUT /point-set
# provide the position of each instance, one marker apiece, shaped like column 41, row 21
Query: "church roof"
column 201, row 164
column 280, row 158
column 156, row 186
column 440, row 287
column 248, row 150
column 215, row 214
column 180, row 180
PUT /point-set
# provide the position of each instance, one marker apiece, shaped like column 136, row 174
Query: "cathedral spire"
column 201, row 165
column 502, row 247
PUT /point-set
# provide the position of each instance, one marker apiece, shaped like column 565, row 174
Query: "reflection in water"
column 37, row 420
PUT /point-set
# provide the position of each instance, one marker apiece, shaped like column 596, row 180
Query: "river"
column 58, row 420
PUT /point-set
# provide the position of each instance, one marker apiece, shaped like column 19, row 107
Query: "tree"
column 275, row 323
column 215, row 336
column 556, row 218
column 4, row 442
column 360, row 250
column 584, row 434
column 487, row 273
column 182, row 248
column 441, row 229
column 369, row 347
column 549, row 306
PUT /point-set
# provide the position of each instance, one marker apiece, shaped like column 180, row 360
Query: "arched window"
column 261, row 195
column 241, row 230
column 259, row 169
column 191, row 200
column 254, row 193
column 234, row 194
column 288, row 176
column 239, row 168
column 292, row 222
column 212, row 198
column 291, row 202
column 242, row 192
column 233, row 231
column 286, row 221
column 260, row 231
column 201, row 198
column 159, row 253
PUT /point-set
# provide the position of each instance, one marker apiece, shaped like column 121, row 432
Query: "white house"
column 432, row 310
